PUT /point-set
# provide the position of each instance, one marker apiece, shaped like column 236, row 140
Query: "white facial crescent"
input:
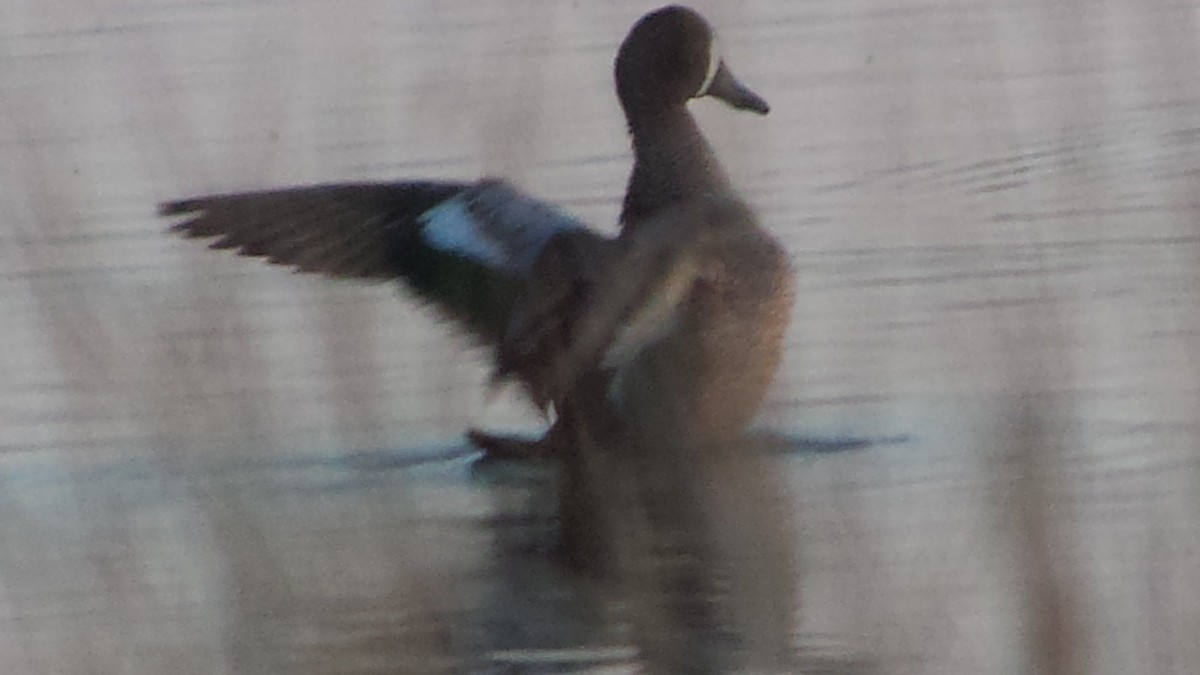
column 714, row 62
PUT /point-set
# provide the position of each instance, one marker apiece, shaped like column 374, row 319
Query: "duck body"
column 711, row 372
column 717, row 316
column 708, row 376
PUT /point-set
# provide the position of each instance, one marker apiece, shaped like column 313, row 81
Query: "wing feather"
column 467, row 248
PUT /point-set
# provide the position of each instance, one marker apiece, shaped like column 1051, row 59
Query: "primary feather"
column 467, row 248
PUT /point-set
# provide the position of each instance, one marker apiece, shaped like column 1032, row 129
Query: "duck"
column 528, row 280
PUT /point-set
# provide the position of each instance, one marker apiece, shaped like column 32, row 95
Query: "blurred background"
column 213, row 466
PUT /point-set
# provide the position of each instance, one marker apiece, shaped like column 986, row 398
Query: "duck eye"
column 714, row 62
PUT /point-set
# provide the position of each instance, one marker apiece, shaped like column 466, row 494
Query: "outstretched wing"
column 468, row 248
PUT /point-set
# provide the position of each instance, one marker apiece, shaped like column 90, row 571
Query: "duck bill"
column 727, row 88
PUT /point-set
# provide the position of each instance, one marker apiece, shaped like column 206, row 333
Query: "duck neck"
column 672, row 163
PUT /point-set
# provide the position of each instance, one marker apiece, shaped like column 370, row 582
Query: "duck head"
column 670, row 57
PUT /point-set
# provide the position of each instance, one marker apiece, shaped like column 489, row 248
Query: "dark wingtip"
column 183, row 229
column 183, row 207
column 178, row 207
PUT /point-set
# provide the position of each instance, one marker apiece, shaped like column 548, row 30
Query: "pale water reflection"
column 383, row 561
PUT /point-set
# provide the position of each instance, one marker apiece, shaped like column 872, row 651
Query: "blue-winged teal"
column 681, row 317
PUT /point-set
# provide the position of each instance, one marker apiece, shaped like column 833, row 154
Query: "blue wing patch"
column 494, row 225
column 451, row 227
